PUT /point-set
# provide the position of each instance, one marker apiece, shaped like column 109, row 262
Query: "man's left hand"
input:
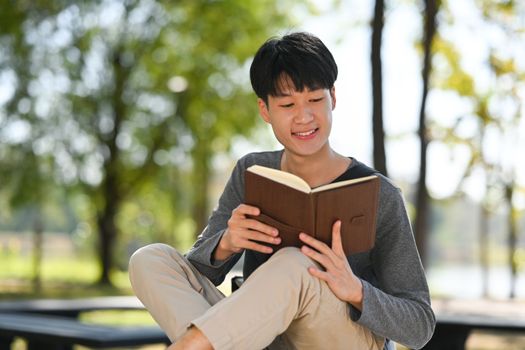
column 338, row 274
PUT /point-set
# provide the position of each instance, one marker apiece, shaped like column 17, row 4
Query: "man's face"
column 301, row 120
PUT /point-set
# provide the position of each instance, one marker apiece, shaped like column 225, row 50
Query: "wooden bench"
column 71, row 307
column 452, row 331
column 53, row 324
column 456, row 319
column 59, row 333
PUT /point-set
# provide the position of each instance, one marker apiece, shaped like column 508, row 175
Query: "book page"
column 342, row 183
column 282, row 177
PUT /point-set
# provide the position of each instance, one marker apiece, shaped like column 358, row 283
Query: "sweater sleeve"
column 201, row 254
column 398, row 308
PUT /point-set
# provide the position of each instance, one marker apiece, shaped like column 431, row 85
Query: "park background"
column 120, row 122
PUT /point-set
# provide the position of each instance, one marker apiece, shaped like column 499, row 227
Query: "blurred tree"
column 507, row 103
column 422, row 198
column 377, row 88
column 25, row 176
column 508, row 109
column 118, row 92
column 496, row 108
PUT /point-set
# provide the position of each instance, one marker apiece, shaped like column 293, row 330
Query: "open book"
column 289, row 204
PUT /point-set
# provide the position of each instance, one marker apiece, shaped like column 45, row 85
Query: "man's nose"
column 304, row 115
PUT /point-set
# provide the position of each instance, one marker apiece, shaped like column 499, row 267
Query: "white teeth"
column 305, row 133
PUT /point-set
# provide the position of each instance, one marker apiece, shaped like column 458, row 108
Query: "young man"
column 296, row 298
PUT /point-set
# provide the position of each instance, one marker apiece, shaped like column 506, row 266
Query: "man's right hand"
column 245, row 233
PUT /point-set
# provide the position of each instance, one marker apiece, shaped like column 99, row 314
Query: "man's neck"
column 318, row 169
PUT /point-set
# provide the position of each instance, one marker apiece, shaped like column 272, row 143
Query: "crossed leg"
column 279, row 298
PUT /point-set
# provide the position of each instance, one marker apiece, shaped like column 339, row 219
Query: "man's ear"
column 263, row 110
column 332, row 95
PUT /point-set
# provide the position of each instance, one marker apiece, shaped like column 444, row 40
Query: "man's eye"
column 287, row 105
column 317, row 99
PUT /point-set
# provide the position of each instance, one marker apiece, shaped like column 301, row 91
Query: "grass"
column 61, row 277
column 118, row 318
column 68, row 277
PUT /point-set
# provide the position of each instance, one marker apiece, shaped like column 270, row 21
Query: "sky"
column 346, row 32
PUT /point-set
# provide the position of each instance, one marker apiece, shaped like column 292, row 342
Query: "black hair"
column 300, row 56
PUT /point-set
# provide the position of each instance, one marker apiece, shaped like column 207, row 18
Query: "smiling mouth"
column 305, row 133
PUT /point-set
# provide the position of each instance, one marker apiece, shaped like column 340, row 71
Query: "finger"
column 261, row 237
column 245, row 209
column 317, row 244
column 323, row 275
column 253, row 224
column 322, row 259
column 337, row 241
column 246, row 239
column 238, row 224
column 323, row 249
column 257, row 247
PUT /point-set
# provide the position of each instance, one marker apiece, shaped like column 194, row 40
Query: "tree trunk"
column 513, row 239
column 201, row 178
column 422, row 198
column 38, row 241
column 111, row 189
column 106, row 217
column 484, row 249
column 107, row 236
column 377, row 90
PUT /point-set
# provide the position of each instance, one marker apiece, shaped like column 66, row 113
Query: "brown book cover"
column 291, row 206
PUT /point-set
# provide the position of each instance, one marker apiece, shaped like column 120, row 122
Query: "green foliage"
column 122, row 105
column 451, row 75
column 496, row 109
column 501, row 10
column 494, row 106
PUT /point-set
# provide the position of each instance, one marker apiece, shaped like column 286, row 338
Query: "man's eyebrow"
column 282, row 94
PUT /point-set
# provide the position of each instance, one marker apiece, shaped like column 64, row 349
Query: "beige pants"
column 281, row 306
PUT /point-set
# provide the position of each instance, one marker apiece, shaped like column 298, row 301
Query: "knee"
column 294, row 260
column 288, row 269
column 145, row 258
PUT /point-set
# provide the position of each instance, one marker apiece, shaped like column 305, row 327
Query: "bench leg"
column 5, row 342
column 35, row 345
column 448, row 337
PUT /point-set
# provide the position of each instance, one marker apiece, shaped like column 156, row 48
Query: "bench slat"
column 477, row 321
column 71, row 307
column 52, row 329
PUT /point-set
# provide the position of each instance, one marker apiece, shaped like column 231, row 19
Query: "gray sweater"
column 396, row 301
